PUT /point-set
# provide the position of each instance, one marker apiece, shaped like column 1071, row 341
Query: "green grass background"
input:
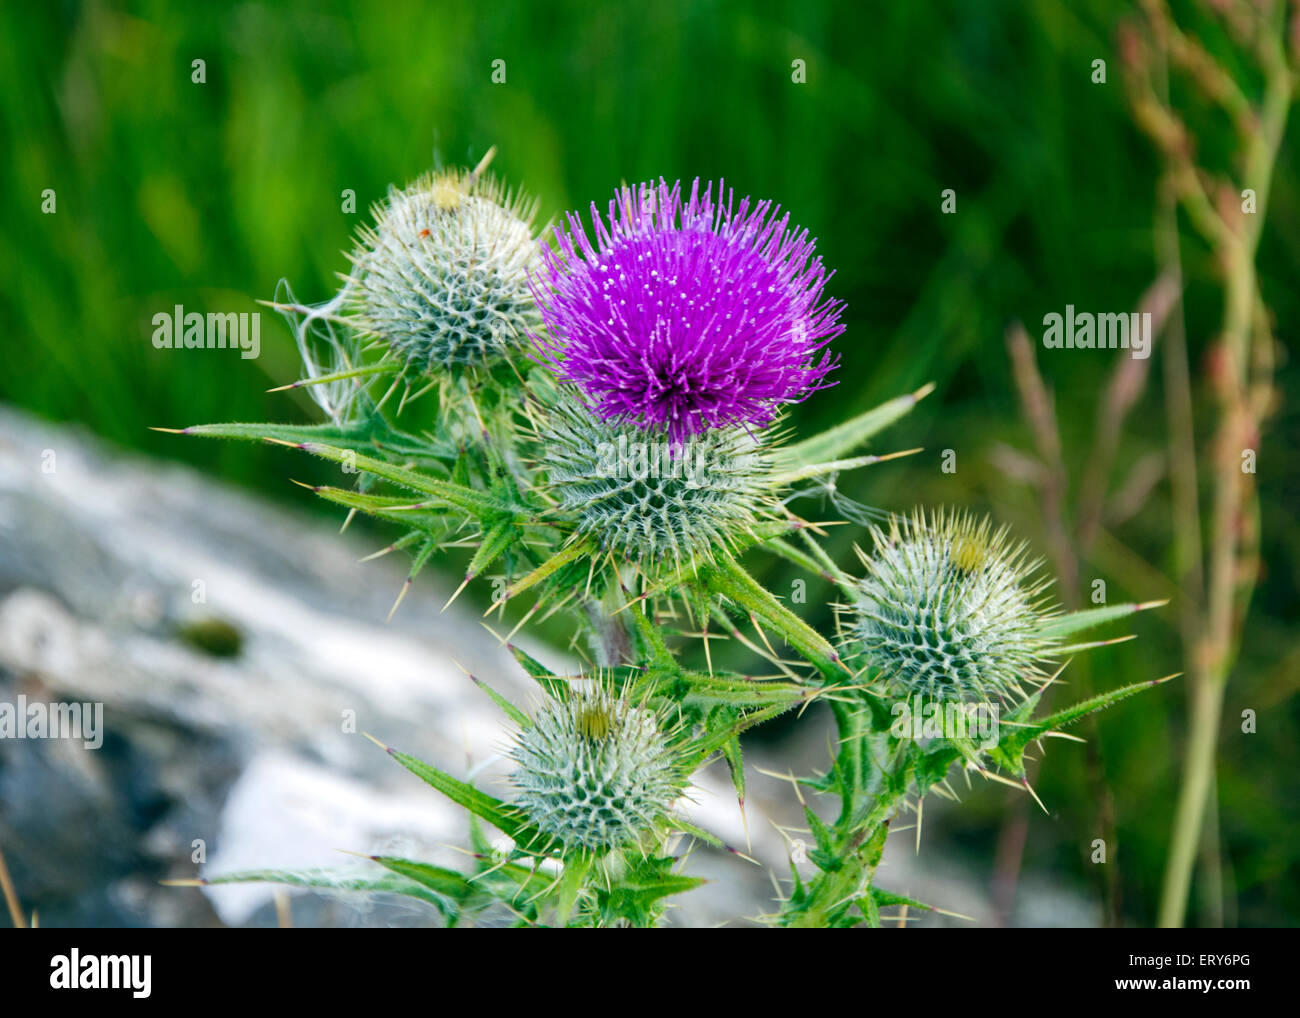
column 208, row 194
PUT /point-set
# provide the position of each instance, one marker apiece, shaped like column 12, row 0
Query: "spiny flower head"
column 442, row 277
column 950, row 609
column 596, row 772
column 647, row 498
column 687, row 315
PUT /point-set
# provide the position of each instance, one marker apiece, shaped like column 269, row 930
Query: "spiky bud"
column 650, row 500
column 595, row 772
column 950, row 609
column 442, row 277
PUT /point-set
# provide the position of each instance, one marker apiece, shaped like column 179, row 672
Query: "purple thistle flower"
column 686, row 315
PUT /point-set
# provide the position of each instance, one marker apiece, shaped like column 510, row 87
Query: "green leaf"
column 388, row 507
column 794, row 474
column 383, row 368
column 932, row 767
column 870, row 911
column 330, row 880
column 453, row 886
column 656, row 651
column 635, row 897
column 554, row 685
column 356, row 438
column 1065, row 625
column 886, row 899
column 369, row 435
column 560, row 559
column 703, row 691
column 572, row 878
column 642, row 895
column 1009, row 752
column 842, row 439
column 1060, row 719
column 736, row 766
column 488, row 807
column 825, row 841
column 495, row 540
column 436, row 878
column 686, row 827
column 729, row 578
column 511, row 711
column 697, row 751
column 476, row 503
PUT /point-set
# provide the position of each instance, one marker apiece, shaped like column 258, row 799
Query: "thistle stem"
column 858, row 833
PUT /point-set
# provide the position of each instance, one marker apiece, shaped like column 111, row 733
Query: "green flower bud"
column 949, row 609
column 663, row 505
column 442, row 277
column 595, row 772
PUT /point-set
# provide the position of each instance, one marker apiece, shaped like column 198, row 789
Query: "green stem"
column 858, row 833
column 729, row 578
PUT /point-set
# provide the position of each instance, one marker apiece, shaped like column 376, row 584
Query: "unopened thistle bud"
column 660, row 503
column 595, row 772
column 442, row 277
column 949, row 609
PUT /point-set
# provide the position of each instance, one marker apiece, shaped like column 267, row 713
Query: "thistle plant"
column 618, row 477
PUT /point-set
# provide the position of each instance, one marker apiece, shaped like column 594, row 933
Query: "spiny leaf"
column 1009, row 752
column 386, row 507
column 557, row 561
column 795, row 474
column 436, row 878
column 511, row 711
column 1069, row 715
column 554, row 684
column 1065, row 625
column 686, row 827
column 844, row 438
column 885, row 899
column 699, row 750
column 327, row 880
column 656, row 651
column 570, row 886
column 496, row 539
column 357, row 438
column 476, row 503
column 736, row 766
column 385, row 368
column 455, row 890
column 705, row 691
column 641, row 895
column 729, row 578
column 490, row 808
column 373, row 433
